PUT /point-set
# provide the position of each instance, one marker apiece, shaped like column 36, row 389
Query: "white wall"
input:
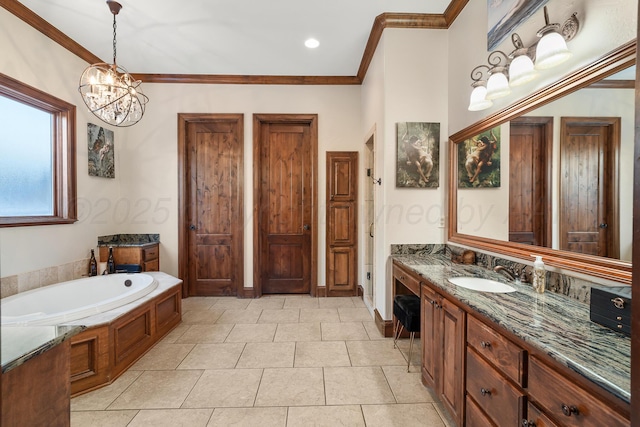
column 32, row 58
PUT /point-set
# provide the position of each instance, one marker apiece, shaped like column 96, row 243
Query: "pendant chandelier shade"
column 109, row 91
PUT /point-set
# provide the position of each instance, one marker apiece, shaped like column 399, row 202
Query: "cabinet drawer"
column 407, row 279
column 500, row 400
column 567, row 402
column 151, row 265
column 474, row 416
column 149, row 254
column 536, row 418
column 502, row 352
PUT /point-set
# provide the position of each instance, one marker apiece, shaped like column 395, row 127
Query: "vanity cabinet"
column 147, row 256
column 443, row 341
column 568, row 403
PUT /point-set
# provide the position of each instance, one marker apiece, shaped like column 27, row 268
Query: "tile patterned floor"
column 274, row 361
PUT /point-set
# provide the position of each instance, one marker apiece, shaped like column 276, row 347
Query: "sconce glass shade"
column 497, row 85
column 521, row 70
column 478, row 100
column 551, row 51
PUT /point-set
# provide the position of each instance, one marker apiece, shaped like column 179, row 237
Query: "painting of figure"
column 479, row 160
column 504, row 16
column 101, row 151
column 418, row 154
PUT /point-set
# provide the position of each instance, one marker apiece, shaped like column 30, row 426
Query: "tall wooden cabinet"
column 342, row 223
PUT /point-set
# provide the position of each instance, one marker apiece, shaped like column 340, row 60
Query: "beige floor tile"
column 374, row 353
column 239, row 316
column 343, row 331
column 175, row 334
column 357, row 385
column 102, row 418
column 163, row 357
column 172, row 418
column 201, row 317
column 373, row 331
column 298, row 332
column 266, row 303
column 335, row 302
column 291, row 315
column 291, row 387
column 358, row 302
column 407, row 386
column 213, row 356
column 225, row 388
column 267, row 355
column 321, row 354
column 198, row 303
column 319, row 315
column 249, row 417
column 205, row 334
column 422, row 414
column 263, row 332
column 325, row 416
column 231, row 303
column 354, row 314
column 100, row 399
column 300, row 302
column 157, row 389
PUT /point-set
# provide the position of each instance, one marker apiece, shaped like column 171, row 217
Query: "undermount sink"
column 482, row 285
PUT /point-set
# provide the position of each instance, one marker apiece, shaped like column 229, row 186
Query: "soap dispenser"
column 539, row 275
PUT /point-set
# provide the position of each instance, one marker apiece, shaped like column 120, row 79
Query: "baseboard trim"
column 321, row 291
column 384, row 326
column 360, row 291
column 248, row 293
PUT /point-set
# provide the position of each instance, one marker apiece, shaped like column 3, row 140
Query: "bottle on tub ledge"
column 111, row 263
column 93, row 265
column 539, row 275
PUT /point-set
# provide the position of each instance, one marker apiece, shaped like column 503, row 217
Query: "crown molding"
column 613, row 84
column 381, row 22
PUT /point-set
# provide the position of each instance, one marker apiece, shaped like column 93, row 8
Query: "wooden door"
column 530, row 148
column 588, row 185
column 211, row 206
column 285, row 159
column 342, row 223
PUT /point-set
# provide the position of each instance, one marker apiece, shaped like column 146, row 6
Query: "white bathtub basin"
column 482, row 285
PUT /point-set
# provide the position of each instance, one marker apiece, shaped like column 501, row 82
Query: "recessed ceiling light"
column 312, row 43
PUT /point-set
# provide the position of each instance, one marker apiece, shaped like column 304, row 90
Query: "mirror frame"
column 608, row 268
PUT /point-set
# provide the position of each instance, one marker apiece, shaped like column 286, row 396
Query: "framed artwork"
column 505, row 15
column 418, row 148
column 101, row 151
column 479, row 160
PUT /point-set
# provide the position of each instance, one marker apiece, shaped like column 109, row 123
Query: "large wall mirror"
column 565, row 186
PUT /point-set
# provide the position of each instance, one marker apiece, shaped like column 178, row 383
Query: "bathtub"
column 75, row 299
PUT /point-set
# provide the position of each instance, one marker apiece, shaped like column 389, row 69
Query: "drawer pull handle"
column 529, row 423
column 568, row 410
column 485, row 344
column 618, row 302
column 619, row 318
column 485, row 392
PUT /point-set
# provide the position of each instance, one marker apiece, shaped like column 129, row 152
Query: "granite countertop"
column 21, row 343
column 129, row 240
column 551, row 322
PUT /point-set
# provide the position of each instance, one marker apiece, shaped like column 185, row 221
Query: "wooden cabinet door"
column 451, row 375
column 429, row 336
column 342, row 223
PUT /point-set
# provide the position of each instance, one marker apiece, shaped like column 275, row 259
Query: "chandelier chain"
column 114, row 39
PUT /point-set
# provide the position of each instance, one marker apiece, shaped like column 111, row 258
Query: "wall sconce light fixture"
column 518, row 68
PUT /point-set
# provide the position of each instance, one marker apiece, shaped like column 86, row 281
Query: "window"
column 37, row 157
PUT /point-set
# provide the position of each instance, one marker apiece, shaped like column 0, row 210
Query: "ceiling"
column 231, row 37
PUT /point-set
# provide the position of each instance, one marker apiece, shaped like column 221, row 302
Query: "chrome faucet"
column 505, row 270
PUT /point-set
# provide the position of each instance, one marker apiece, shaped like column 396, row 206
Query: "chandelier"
column 109, row 91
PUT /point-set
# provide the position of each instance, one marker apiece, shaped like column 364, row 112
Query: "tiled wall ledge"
column 573, row 287
column 23, row 282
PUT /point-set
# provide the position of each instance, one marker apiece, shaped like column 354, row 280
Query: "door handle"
column 604, row 225
column 193, row 227
column 306, row 227
column 371, row 230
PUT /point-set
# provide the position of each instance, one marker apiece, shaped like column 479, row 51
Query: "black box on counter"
column 612, row 308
